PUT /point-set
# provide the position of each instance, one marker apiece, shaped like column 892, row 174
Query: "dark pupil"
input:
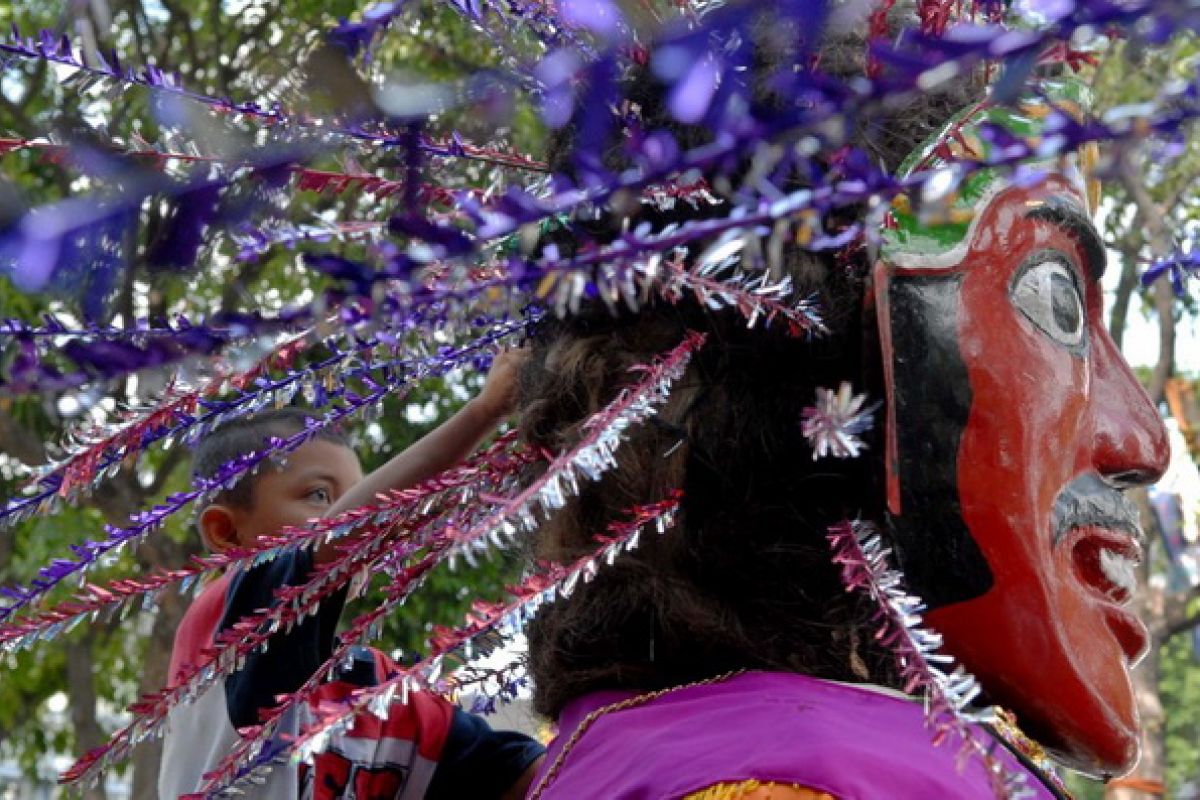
column 1064, row 302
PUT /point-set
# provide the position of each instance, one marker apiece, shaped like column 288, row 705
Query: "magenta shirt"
column 854, row 743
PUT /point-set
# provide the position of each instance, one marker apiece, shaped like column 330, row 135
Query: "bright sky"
column 1141, row 335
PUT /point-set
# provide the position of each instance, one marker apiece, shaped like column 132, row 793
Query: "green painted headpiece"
column 939, row 220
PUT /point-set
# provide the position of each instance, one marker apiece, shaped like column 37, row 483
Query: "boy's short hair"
column 246, row 435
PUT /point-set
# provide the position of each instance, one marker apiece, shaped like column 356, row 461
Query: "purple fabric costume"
column 855, row 744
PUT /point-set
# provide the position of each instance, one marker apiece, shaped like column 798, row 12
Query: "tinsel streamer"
column 490, row 625
column 106, row 448
column 406, row 509
column 253, row 243
column 139, row 328
column 49, row 47
column 47, row 240
column 405, row 580
column 487, row 626
column 612, row 266
column 108, row 352
column 184, row 415
column 146, row 522
column 1178, row 267
column 503, row 220
column 962, row 51
column 97, row 452
column 111, row 599
column 588, row 459
column 393, row 312
column 507, row 216
column 307, row 179
column 754, row 296
column 863, row 559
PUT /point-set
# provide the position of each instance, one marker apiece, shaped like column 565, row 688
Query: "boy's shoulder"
column 198, row 628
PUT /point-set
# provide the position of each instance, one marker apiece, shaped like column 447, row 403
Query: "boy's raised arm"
column 444, row 446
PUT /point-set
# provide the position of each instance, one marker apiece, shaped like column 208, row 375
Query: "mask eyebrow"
column 1071, row 219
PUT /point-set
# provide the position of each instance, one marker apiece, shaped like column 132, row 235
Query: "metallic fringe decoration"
column 487, row 626
column 859, row 551
column 449, row 528
column 143, row 524
column 406, row 511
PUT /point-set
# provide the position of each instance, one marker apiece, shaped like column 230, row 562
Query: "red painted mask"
column 1013, row 426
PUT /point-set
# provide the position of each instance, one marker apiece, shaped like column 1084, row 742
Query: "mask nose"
column 1130, row 441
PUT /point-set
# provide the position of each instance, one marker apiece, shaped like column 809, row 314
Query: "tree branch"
column 1161, row 244
column 1177, row 614
column 19, row 442
column 1125, row 289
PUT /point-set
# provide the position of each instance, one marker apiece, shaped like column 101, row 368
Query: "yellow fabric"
column 758, row 790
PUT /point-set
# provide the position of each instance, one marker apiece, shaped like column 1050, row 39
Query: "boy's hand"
column 499, row 395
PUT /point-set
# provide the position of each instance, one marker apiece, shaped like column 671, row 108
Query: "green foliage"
column 1180, row 687
column 249, row 50
column 1082, row 788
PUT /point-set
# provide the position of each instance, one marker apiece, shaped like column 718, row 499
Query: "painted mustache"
column 1088, row 501
column 1107, row 560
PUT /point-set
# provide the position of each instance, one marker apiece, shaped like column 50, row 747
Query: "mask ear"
column 218, row 529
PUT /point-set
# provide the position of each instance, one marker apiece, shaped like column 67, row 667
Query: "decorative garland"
column 487, row 627
column 88, row 553
column 92, row 600
column 443, row 538
column 374, row 524
column 47, row 46
column 859, row 550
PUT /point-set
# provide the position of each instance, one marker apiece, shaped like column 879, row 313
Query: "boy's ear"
column 217, row 528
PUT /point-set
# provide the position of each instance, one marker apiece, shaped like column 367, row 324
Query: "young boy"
column 428, row 748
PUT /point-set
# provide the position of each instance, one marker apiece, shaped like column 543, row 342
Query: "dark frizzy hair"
column 744, row 580
column 245, row 435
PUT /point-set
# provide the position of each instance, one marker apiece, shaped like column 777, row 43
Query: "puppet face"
column 1014, row 425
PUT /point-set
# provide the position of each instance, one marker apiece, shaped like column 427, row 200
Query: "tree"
column 259, row 49
column 1152, row 198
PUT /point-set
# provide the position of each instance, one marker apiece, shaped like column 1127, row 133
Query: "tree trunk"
column 81, row 686
column 1164, row 304
column 1124, row 295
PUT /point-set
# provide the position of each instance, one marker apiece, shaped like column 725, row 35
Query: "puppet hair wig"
column 744, row 580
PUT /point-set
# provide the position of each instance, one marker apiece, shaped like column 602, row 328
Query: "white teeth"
column 1120, row 570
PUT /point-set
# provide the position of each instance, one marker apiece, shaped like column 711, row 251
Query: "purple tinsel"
column 89, row 552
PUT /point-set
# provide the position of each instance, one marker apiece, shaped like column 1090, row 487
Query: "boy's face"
column 315, row 476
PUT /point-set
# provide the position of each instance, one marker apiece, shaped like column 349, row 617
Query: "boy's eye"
column 320, row 496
